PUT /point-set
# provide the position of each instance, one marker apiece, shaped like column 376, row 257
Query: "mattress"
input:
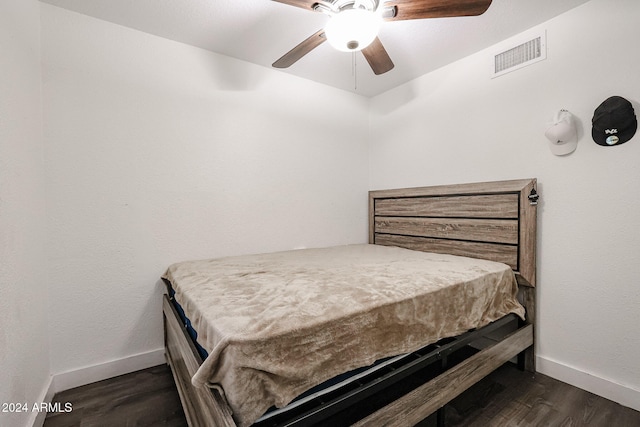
column 276, row 325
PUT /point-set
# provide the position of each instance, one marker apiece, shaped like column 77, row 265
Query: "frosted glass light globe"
column 352, row 29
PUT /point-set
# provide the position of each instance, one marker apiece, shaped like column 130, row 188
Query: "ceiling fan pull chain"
column 354, row 70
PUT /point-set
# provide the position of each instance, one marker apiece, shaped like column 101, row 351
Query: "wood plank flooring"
column 143, row 398
column 506, row 398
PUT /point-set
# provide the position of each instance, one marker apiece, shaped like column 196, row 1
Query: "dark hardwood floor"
column 143, row 398
column 508, row 397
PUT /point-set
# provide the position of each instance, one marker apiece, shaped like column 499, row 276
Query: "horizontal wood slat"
column 477, row 230
column 481, row 206
column 506, row 254
column 475, row 188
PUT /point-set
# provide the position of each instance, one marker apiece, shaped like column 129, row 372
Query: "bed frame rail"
column 202, row 407
column 425, row 400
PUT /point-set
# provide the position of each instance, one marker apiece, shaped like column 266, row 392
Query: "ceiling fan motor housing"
column 353, row 28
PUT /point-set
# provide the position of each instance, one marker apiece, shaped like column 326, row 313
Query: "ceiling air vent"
column 527, row 53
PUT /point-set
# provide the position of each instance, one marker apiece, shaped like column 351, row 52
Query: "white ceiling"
column 261, row 31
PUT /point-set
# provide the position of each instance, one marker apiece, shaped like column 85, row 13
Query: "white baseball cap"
column 562, row 135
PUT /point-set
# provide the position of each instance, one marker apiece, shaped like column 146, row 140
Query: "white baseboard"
column 46, row 395
column 91, row 374
column 624, row 395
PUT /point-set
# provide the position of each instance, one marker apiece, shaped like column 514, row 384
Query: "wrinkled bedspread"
column 278, row 324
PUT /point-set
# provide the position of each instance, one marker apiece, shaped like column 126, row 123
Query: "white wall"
column 158, row 152
column 24, row 342
column 457, row 125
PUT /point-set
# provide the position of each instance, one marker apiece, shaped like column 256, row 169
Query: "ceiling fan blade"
column 301, row 50
column 377, row 57
column 420, row 9
column 305, row 4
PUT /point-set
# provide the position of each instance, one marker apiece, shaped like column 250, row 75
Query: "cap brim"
column 564, row 148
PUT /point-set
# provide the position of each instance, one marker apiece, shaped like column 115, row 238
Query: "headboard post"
column 528, row 232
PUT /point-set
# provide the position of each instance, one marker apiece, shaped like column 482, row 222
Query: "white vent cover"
column 531, row 51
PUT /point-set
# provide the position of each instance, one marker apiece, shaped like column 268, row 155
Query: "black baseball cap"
column 614, row 122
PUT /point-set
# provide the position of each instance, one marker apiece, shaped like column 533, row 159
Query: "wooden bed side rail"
column 203, row 407
column 417, row 405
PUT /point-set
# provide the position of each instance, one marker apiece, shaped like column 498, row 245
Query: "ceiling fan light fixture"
column 352, row 30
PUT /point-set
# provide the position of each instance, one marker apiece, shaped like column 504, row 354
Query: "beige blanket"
column 278, row 324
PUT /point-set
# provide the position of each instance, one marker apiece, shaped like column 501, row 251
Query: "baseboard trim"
column 624, row 395
column 46, row 395
column 91, row 374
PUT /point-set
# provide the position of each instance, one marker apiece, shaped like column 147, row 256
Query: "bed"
column 475, row 235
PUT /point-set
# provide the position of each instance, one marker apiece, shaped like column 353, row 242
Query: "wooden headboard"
column 490, row 220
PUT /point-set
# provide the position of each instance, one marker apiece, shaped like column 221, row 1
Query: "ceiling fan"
column 354, row 24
